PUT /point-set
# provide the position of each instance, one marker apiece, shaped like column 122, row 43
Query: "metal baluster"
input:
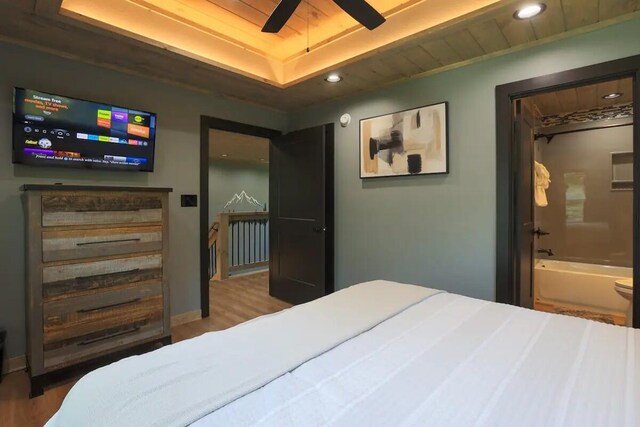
column 231, row 226
column 260, row 240
column 244, row 241
column 259, row 245
column 264, row 241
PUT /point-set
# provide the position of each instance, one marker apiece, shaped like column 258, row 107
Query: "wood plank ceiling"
column 486, row 33
column 584, row 97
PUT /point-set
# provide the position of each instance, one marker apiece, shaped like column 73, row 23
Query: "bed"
column 376, row 354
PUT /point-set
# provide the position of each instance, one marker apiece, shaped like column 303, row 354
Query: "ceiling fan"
column 359, row 10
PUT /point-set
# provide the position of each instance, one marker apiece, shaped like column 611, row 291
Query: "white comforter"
column 181, row 383
column 441, row 360
column 456, row 361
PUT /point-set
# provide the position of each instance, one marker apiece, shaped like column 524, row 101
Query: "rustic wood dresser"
column 96, row 275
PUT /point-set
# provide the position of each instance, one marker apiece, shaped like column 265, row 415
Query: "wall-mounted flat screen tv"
column 53, row 130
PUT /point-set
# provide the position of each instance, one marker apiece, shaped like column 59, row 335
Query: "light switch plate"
column 189, row 200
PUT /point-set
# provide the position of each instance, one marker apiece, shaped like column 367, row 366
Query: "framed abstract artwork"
column 410, row 142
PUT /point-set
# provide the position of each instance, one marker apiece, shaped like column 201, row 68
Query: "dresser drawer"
column 77, row 329
column 91, row 209
column 63, row 281
column 62, row 354
column 78, row 317
column 92, row 243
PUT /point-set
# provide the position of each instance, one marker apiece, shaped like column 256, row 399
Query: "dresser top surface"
column 60, row 187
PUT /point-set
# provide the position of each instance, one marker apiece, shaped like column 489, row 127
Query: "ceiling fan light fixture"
column 529, row 11
column 613, row 95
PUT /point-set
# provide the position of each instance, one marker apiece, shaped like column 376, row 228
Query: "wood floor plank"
column 232, row 301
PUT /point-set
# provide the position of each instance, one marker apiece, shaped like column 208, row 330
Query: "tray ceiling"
column 281, row 79
column 226, row 33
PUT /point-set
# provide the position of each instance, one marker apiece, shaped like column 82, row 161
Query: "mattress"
column 403, row 356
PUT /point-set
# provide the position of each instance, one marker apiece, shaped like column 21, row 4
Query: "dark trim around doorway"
column 206, row 124
column 506, row 164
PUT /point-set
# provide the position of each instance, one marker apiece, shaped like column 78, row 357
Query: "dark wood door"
column 301, row 215
column 524, row 140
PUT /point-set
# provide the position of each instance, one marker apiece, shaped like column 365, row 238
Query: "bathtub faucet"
column 540, row 232
column 549, row 252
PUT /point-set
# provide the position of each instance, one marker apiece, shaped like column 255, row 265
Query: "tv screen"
column 53, row 130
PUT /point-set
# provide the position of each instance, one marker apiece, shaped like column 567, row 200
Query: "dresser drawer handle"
column 103, row 242
column 108, row 210
column 118, row 304
column 117, row 334
column 108, row 274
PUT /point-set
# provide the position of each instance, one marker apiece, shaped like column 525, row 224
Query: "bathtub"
column 587, row 285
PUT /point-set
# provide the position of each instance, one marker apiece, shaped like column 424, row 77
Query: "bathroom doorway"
column 581, row 193
column 567, row 222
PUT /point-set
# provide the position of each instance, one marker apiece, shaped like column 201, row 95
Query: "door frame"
column 206, row 124
column 506, row 178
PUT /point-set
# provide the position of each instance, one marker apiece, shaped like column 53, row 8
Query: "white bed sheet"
column 457, row 361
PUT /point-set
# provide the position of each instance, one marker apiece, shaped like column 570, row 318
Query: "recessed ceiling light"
column 612, row 95
column 333, row 78
column 529, row 11
column 223, row 155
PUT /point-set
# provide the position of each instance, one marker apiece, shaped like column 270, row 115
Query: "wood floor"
column 232, row 301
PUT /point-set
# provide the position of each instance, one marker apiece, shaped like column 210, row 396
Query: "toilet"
column 625, row 288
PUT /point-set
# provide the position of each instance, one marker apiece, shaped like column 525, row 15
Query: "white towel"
column 541, row 184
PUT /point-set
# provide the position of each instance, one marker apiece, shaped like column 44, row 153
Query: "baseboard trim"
column 19, row 363
column 14, row 364
column 189, row 316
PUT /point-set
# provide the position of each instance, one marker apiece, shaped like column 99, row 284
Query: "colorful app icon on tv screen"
column 53, row 130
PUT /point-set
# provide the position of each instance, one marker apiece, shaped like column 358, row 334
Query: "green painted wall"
column 177, row 160
column 440, row 231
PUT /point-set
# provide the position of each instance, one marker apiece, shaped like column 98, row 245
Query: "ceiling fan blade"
column 280, row 16
column 362, row 12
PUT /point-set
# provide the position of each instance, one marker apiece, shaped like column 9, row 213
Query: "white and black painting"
column 412, row 142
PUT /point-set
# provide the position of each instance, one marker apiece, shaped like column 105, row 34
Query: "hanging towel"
column 542, row 184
